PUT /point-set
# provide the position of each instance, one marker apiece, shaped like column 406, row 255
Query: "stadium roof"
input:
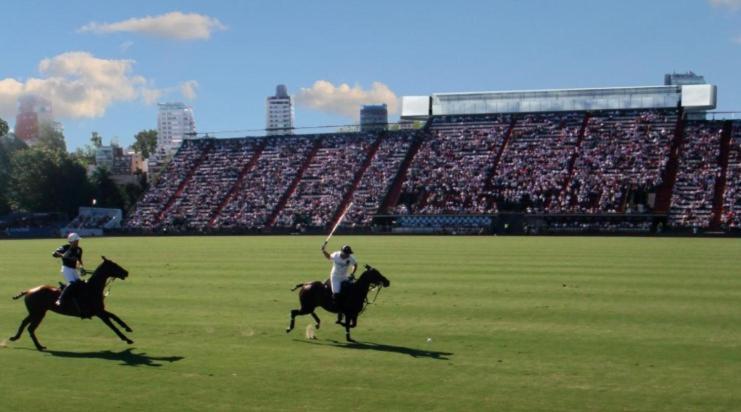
column 692, row 97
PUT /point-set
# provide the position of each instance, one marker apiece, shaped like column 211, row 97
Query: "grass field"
column 516, row 324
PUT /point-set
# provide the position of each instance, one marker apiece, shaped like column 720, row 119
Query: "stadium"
column 513, row 248
column 638, row 160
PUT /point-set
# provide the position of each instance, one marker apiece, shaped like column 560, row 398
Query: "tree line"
column 46, row 178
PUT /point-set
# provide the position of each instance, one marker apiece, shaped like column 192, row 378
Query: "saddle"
column 76, row 299
column 347, row 286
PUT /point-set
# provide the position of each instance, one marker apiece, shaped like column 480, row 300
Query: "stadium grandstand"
column 614, row 160
column 93, row 221
column 20, row 225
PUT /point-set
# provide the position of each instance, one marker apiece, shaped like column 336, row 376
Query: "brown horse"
column 315, row 294
column 89, row 302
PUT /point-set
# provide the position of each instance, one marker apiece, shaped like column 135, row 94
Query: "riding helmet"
column 73, row 237
column 347, row 250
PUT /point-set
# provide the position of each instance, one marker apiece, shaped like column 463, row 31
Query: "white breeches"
column 69, row 274
column 336, row 282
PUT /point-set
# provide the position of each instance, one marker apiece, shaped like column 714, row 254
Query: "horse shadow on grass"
column 127, row 357
column 380, row 347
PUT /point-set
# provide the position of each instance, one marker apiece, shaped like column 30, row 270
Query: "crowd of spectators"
column 602, row 226
column 731, row 216
column 621, row 152
column 92, row 221
column 535, row 164
column 326, row 180
column 148, row 209
column 378, row 177
column 31, row 221
column 210, row 183
column 449, row 172
column 699, row 168
column 619, row 160
column 468, row 119
column 259, row 192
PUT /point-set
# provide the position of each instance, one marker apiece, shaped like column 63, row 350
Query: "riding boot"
column 67, row 294
column 337, row 301
column 63, row 296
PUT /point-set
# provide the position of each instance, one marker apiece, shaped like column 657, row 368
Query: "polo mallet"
column 336, row 225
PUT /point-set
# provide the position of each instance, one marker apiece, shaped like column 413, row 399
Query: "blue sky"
column 106, row 64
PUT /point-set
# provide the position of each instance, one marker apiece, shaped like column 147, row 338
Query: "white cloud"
column 188, row 89
column 125, row 46
column 151, row 96
column 345, row 100
column 732, row 5
column 79, row 85
column 173, row 25
column 729, row 4
column 10, row 89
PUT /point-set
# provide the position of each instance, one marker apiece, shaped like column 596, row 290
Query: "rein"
column 108, row 286
column 367, row 302
column 108, row 283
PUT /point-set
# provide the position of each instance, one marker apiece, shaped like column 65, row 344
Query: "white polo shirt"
column 340, row 266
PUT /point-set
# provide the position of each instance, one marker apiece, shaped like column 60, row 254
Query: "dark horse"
column 89, row 302
column 316, row 293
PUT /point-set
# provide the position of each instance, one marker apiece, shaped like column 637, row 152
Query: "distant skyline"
column 105, row 68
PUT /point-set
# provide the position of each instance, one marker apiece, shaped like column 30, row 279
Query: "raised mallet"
column 336, row 225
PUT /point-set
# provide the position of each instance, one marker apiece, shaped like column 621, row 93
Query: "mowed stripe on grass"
column 516, row 323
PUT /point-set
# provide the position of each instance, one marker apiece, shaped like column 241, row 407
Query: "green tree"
column 9, row 144
column 146, row 142
column 132, row 192
column 4, row 205
column 51, row 138
column 86, row 155
column 96, row 140
column 105, row 191
column 47, row 180
column 3, row 127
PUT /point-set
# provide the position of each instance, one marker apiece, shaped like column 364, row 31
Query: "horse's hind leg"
column 24, row 323
column 35, row 321
column 316, row 319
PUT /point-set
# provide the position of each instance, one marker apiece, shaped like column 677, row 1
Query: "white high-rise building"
column 175, row 123
column 279, row 112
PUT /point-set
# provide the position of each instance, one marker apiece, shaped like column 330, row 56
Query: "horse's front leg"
column 316, row 319
column 106, row 319
column 347, row 329
column 118, row 320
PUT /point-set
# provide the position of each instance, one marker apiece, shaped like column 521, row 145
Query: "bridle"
column 366, row 302
column 108, row 283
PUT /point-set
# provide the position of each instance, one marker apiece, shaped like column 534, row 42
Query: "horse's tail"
column 20, row 295
column 297, row 286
